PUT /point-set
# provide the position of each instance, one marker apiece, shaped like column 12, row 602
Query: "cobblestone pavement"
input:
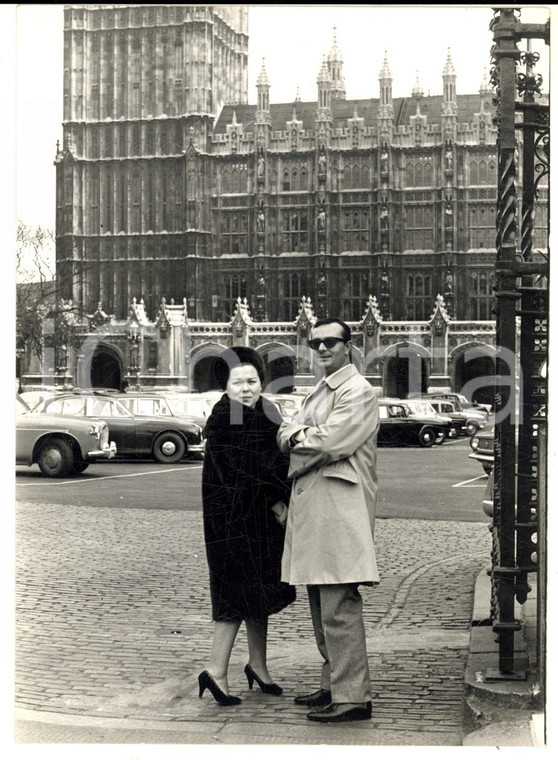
column 113, row 621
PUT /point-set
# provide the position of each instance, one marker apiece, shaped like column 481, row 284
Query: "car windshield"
column 420, row 407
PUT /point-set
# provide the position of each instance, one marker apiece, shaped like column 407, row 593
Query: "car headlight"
column 96, row 429
column 474, row 442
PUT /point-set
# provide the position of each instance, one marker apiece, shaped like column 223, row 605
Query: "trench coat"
column 330, row 528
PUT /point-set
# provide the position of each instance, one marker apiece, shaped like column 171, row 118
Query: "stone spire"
column 417, row 91
column 324, row 92
column 335, row 68
column 448, row 76
column 263, row 114
column 449, row 103
column 385, row 109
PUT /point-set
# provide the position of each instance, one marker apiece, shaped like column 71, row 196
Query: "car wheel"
column 487, row 467
column 169, row 448
column 427, row 436
column 80, row 467
column 56, row 458
column 440, row 437
column 472, row 428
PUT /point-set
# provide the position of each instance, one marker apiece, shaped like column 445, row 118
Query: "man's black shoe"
column 318, row 698
column 337, row 713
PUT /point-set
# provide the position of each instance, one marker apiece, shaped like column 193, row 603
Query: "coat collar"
column 339, row 377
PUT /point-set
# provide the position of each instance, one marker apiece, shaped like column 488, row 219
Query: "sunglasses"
column 315, row 343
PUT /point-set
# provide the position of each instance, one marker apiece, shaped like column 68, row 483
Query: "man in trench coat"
column 329, row 542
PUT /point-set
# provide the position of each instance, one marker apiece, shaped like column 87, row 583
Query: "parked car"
column 463, row 403
column 399, row 428
column 165, row 439
column 197, row 405
column 482, row 445
column 424, row 409
column 465, row 422
column 149, row 404
column 60, row 445
column 288, row 405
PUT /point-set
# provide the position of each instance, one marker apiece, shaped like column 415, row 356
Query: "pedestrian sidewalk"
column 505, row 713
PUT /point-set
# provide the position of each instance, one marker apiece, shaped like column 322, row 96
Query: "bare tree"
column 37, row 292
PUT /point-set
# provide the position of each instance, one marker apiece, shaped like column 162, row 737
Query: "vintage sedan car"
column 465, row 422
column 146, row 404
column 399, row 428
column 482, row 445
column 165, row 439
column 424, row 409
column 60, row 445
column 197, row 405
column 462, row 404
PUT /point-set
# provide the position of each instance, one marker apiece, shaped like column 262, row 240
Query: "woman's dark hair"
column 335, row 321
column 236, row 357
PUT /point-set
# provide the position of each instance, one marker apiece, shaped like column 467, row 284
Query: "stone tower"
column 142, row 87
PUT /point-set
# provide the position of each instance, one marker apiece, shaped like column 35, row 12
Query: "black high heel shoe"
column 267, row 688
column 206, row 682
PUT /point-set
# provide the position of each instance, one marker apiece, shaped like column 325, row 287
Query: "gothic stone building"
column 183, row 211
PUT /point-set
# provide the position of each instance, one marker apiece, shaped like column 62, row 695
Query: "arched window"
column 473, row 173
column 225, row 182
column 482, row 173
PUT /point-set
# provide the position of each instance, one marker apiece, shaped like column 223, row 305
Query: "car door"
column 121, row 423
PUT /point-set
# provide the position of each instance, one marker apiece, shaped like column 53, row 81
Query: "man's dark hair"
column 335, row 321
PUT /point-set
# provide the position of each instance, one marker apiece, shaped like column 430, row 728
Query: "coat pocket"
column 343, row 470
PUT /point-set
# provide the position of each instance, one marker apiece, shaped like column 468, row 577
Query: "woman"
column 245, row 491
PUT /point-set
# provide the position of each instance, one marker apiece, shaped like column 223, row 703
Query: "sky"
column 293, row 40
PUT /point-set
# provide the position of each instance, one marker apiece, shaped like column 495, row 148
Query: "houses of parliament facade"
column 193, row 219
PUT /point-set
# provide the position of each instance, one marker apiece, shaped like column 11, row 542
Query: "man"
column 329, row 544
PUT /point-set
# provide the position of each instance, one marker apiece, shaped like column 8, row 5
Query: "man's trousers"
column 336, row 611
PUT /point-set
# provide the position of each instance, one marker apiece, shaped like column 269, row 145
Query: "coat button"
column 299, row 491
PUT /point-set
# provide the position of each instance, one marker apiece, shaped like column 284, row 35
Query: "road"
column 440, row 483
column 113, row 619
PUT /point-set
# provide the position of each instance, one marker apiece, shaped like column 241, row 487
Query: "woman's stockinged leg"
column 256, row 633
column 224, row 636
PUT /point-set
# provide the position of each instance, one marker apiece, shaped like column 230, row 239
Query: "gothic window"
column 355, row 233
column 356, row 176
column 136, row 201
column 294, row 230
column 354, row 292
column 303, row 178
column 235, row 179
column 178, row 195
column 167, row 224
column 482, row 229
column 107, row 142
column 135, row 98
column 108, row 206
column 178, row 96
column 483, row 171
column 178, row 56
column 418, row 172
column 235, row 288
column 164, row 140
column 151, row 207
column 418, row 296
column 286, row 185
column 136, row 140
column 94, row 195
column 233, row 228
column 95, row 144
column 419, row 228
column 95, row 100
column 540, row 230
column 295, row 285
column 150, row 139
column 121, row 141
column 122, row 201
column 480, row 292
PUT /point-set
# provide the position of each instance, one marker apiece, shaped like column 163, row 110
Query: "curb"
column 500, row 713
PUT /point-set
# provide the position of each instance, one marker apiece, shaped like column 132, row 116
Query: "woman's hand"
column 280, row 511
